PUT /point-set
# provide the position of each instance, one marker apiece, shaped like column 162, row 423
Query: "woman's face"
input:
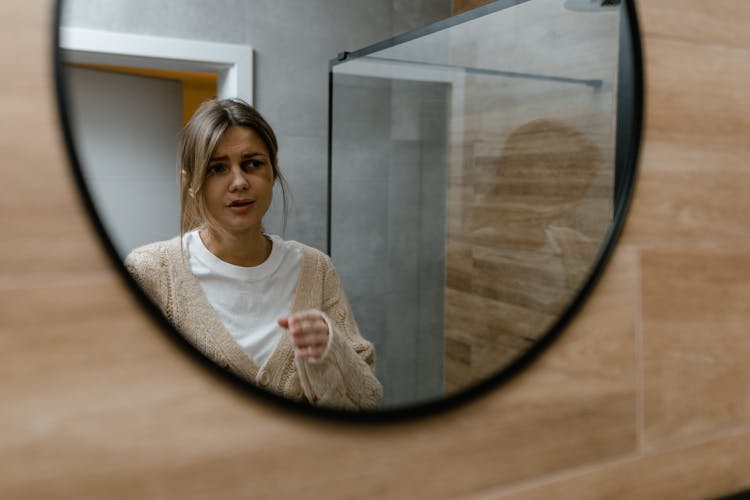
column 239, row 182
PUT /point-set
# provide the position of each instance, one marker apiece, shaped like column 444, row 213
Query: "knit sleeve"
column 145, row 266
column 344, row 376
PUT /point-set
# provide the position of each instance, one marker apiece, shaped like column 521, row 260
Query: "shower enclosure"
column 471, row 183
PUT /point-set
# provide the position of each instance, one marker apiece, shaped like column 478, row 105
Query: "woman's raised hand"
column 309, row 333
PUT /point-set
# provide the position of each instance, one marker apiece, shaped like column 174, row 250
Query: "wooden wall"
column 646, row 395
column 531, row 181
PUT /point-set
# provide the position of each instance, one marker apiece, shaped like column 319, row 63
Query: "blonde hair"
column 199, row 138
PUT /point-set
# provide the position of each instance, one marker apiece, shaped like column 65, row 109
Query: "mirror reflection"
column 472, row 185
column 462, row 176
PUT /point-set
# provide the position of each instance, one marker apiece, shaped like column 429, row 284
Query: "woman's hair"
column 199, row 138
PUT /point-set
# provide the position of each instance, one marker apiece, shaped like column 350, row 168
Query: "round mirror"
column 372, row 211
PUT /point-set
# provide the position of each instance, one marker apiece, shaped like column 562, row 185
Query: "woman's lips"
column 240, row 205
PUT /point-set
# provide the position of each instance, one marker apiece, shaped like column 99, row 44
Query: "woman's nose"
column 239, row 180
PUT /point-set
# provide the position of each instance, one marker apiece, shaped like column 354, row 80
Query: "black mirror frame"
column 629, row 132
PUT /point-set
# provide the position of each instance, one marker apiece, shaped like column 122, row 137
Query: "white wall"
column 134, row 188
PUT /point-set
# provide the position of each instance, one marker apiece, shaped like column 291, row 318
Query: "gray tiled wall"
column 388, row 223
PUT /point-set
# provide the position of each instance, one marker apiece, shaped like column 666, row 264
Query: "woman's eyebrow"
column 244, row 155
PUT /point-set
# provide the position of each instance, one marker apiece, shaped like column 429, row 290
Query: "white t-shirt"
column 248, row 300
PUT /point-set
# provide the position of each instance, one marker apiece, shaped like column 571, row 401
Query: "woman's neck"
column 246, row 249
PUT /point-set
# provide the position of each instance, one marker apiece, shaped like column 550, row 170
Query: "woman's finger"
column 303, row 327
column 308, row 331
column 311, row 345
column 310, row 339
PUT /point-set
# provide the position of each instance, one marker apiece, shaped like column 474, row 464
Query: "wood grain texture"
column 98, row 403
column 696, row 342
column 696, row 148
column 702, row 470
column 45, row 234
column 721, row 22
column 530, row 183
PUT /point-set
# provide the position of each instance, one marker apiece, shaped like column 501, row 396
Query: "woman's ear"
column 183, row 176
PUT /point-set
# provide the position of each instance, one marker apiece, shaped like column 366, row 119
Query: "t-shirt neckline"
column 251, row 273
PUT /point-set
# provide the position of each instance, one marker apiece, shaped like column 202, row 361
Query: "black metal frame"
column 441, row 25
column 622, row 202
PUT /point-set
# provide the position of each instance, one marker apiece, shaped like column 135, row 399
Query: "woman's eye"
column 214, row 169
column 251, row 164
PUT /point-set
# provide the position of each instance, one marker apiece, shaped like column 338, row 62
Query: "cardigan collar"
column 197, row 321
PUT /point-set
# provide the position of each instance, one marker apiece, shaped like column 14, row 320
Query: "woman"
column 271, row 311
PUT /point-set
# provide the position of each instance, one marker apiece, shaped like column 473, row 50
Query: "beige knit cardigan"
column 343, row 377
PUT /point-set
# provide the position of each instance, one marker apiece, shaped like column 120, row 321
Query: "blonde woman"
column 271, row 311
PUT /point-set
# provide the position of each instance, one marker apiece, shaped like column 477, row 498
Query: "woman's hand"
column 309, row 333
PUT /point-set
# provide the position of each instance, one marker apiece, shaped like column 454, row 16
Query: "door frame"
column 232, row 62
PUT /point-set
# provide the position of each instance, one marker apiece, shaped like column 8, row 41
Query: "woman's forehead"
column 239, row 140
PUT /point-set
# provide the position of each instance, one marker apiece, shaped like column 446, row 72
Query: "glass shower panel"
column 389, row 163
column 472, row 182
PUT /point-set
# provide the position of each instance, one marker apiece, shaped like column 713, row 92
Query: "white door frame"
column 232, row 62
